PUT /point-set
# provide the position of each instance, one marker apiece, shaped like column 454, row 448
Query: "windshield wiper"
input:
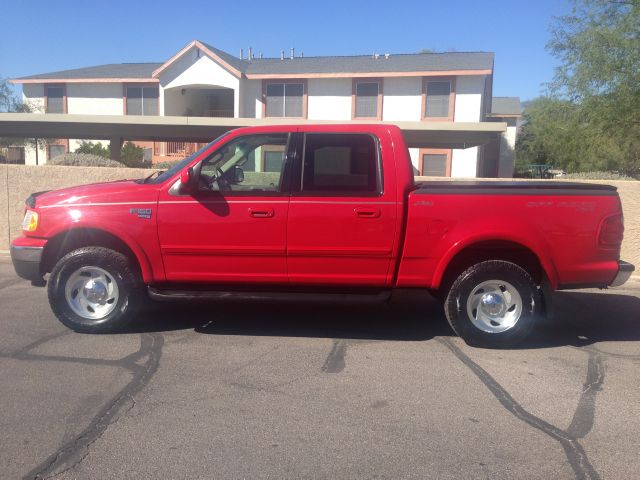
column 159, row 172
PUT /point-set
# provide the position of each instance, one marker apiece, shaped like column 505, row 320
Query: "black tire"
column 118, row 267
column 465, row 285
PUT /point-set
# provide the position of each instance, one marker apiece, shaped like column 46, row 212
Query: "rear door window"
column 340, row 164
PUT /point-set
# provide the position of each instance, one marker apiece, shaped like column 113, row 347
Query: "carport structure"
column 120, row 128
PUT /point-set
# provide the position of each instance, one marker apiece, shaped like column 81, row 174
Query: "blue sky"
column 44, row 36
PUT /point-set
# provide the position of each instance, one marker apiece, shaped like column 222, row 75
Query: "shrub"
column 165, row 165
column 83, row 160
column 598, row 176
column 93, row 149
column 133, row 156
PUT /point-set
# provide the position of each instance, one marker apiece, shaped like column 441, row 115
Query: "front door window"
column 251, row 164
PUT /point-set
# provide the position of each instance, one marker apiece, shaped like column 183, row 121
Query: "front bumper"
column 26, row 262
column 624, row 272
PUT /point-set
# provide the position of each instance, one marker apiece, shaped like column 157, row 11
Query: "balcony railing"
column 219, row 113
column 175, row 150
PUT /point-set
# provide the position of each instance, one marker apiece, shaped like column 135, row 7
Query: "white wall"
column 464, row 163
column 95, row 98
column 414, row 153
column 251, row 98
column 194, row 69
column 469, row 90
column 507, row 159
column 329, row 99
column 468, row 108
column 402, row 99
column 33, row 95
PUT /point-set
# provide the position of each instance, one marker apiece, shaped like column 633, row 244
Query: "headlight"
column 30, row 222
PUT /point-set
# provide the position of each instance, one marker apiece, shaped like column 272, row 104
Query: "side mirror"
column 187, row 180
column 238, row 175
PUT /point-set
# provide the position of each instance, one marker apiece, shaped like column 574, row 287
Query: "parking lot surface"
column 301, row 391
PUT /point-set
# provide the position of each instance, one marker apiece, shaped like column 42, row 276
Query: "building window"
column 438, row 101
column 141, row 100
column 272, row 160
column 345, row 163
column 12, row 155
column 367, row 101
column 55, row 150
column 435, row 162
column 55, row 99
column 285, row 100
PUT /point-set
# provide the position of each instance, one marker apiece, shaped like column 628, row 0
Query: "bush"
column 165, row 165
column 93, row 149
column 597, row 176
column 83, row 160
column 133, row 156
column 130, row 155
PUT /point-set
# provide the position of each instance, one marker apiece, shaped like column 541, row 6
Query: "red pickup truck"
column 315, row 211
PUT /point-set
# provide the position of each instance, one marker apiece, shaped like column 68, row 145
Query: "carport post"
column 115, row 146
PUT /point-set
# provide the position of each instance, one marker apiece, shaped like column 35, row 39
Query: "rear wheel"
column 493, row 304
column 94, row 290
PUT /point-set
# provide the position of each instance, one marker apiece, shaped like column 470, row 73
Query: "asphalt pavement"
column 307, row 391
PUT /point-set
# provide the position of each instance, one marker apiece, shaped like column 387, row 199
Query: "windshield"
column 183, row 163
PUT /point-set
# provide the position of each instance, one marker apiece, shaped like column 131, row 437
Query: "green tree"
column 557, row 133
column 6, row 96
column 133, row 156
column 598, row 46
column 93, row 148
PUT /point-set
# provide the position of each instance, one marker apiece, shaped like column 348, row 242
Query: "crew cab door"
column 233, row 228
column 342, row 220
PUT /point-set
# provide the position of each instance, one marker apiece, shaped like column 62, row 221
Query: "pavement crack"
column 584, row 415
column 26, row 349
column 574, row 451
column 335, row 362
column 71, row 454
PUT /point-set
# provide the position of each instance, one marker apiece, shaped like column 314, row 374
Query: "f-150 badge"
column 142, row 212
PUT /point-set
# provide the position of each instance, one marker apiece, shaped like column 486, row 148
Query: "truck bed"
column 522, row 187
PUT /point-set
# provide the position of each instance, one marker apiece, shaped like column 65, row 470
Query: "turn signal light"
column 30, row 222
column 611, row 232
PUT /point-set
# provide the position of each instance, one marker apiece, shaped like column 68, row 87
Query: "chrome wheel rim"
column 92, row 293
column 494, row 306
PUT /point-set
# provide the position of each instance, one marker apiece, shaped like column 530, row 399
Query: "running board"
column 359, row 298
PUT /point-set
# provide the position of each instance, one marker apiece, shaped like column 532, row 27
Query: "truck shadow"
column 580, row 318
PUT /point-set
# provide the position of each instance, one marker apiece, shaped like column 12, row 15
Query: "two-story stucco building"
column 201, row 80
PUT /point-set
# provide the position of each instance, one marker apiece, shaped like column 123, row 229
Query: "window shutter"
column 294, row 93
column 434, row 165
column 275, row 100
column 134, row 100
column 366, row 100
column 55, row 100
column 438, row 99
column 150, row 101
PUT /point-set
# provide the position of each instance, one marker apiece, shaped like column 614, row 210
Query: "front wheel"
column 93, row 290
column 493, row 304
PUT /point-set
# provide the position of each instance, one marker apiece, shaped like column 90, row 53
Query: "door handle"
column 261, row 212
column 367, row 212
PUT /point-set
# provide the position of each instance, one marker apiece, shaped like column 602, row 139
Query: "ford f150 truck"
column 313, row 211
